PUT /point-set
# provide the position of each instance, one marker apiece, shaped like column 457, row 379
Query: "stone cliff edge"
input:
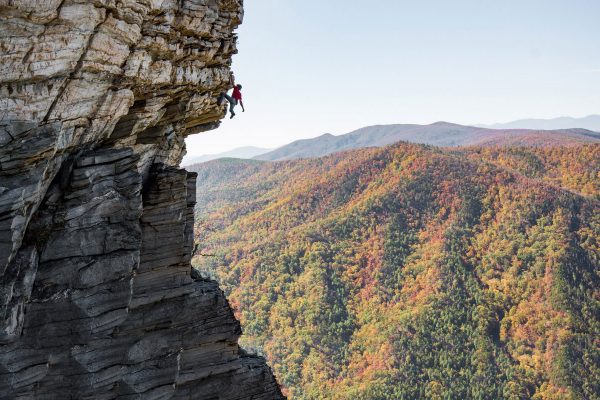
column 96, row 218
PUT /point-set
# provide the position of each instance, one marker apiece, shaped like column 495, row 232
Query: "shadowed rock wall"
column 96, row 220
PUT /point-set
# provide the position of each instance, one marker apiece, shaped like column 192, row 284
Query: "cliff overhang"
column 96, row 218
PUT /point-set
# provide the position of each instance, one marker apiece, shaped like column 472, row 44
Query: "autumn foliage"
column 413, row 272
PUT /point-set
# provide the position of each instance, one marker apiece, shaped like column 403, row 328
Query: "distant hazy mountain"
column 240, row 152
column 438, row 134
column 591, row 123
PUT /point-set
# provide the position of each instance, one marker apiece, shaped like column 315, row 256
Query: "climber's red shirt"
column 237, row 94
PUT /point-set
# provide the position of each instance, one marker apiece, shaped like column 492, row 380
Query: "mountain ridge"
column 440, row 133
column 590, row 122
column 243, row 152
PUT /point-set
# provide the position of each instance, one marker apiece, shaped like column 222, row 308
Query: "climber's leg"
column 220, row 99
column 224, row 96
column 232, row 104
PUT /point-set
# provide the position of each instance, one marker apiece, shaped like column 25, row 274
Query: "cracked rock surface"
column 96, row 219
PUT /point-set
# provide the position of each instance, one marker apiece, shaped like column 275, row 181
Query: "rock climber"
column 234, row 99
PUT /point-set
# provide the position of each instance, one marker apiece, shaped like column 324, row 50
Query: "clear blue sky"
column 314, row 66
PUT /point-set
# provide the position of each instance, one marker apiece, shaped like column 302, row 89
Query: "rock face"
column 96, row 220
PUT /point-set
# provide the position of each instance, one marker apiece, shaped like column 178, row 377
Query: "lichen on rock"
column 96, row 218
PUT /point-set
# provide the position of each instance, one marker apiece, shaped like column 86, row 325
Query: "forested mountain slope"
column 412, row 272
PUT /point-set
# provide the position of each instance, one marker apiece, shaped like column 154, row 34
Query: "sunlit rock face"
column 97, row 301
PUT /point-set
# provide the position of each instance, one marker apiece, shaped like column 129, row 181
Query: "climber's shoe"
column 232, row 115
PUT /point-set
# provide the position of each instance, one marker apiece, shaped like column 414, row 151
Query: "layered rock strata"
column 96, row 220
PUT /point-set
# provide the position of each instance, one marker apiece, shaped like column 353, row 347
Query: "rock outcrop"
column 96, row 219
